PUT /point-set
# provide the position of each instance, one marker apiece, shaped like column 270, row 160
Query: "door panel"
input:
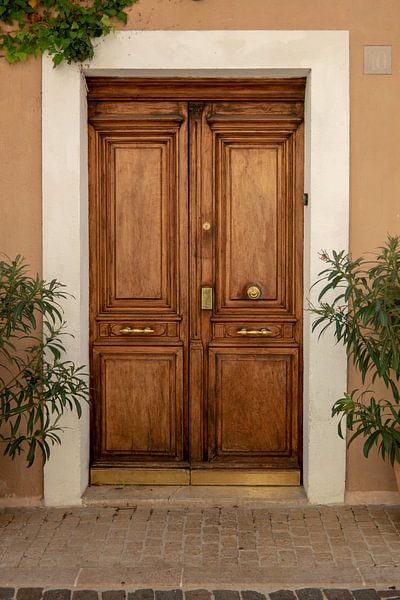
column 254, row 204
column 251, row 193
column 141, row 214
column 138, row 250
column 249, row 209
column 187, row 193
column 138, row 191
column 140, row 220
column 142, row 387
column 251, row 413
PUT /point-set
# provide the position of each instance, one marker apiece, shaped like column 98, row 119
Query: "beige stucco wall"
column 375, row 137
column 20, row 218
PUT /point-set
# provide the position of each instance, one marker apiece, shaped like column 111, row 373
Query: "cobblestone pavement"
column 183, row 547
column 199, row 594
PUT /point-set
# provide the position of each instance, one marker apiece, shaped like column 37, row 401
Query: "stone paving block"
column 85, row 595
column 113, row 595
column 33, row 593
column 283, row 595
column 366, row 594
column 168, row 595
column 251, row 595
column 338, row 594
column 197, row 595
column 145, row 594
column 309, row 594
column 226, row 595
column 57, row 594
column 6, row 593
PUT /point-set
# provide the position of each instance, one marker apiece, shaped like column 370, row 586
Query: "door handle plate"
column 206, row 298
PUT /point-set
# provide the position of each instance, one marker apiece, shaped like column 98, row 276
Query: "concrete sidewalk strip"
column 272, row 577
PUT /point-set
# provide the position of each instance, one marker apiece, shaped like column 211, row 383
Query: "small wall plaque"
column 378, row 60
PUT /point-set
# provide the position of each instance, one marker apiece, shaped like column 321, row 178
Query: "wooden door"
column 196, row 221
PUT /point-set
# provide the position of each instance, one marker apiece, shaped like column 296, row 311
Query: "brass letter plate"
column 206, row 298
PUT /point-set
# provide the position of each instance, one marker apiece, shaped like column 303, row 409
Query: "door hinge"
column 305, row 199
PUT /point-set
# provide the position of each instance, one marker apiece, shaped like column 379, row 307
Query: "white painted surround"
column 321, row 55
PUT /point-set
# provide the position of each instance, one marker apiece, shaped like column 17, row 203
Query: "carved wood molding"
column 105, row 88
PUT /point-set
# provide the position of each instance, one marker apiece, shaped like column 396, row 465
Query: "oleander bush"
column 37, row 384
column 360, row 301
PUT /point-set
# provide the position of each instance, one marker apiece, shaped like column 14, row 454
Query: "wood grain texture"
column 140, row 400
column 139, row 221
column 252, row 178
column 250, row 214
column 166, row 159
column 279, row 90
column 136, row 205
column 252, row 416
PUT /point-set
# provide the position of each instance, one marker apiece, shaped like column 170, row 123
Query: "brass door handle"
column 128, row 330
column 253, row 292
column 262, row 331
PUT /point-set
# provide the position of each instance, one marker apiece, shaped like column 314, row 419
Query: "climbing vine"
column 64, row 28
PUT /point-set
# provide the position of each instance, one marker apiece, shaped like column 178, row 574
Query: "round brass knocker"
column 253, row 292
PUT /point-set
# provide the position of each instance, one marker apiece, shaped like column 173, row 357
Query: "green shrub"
column 37, row 385
column 361, row 301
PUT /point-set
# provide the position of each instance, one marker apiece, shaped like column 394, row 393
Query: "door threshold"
column 173, row 496
column 195, row 477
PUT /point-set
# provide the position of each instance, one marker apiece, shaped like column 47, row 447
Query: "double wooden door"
column 196, row 229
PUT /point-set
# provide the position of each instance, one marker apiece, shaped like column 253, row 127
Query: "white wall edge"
column 324, row 57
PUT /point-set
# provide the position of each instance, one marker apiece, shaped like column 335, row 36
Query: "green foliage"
column 36, row 385
column 363, row 307
column 64, row 28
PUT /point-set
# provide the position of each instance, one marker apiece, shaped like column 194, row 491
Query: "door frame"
column 321, row 56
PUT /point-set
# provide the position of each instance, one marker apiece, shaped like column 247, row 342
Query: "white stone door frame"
column 323, row 56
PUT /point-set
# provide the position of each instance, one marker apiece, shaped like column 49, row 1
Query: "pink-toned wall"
column 375, row 143
column 20, row 219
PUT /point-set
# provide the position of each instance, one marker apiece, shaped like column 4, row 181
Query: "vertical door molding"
column 321, row 55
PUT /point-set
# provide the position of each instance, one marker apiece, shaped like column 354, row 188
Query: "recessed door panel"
column 252, row 416
column 254, row 196
column 140, row 223
column 136, row 186
column 140, row 397
column 141, row 202
column 249, row 209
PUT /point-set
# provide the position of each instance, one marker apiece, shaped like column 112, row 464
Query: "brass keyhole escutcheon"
column 206, row 226
column 253, row 292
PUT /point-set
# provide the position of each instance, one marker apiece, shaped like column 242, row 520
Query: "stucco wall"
column 20, row 218
column 375, row 133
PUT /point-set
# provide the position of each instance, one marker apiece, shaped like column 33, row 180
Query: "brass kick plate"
column 206, row 298
column 244, row 477
column 132, row 476
column 126, row 476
